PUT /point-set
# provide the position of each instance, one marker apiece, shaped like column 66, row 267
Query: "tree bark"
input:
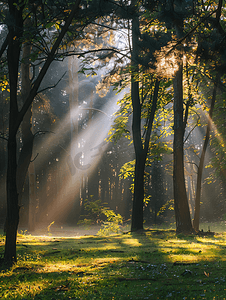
column 182, row 213
column 32, row 197
column 26, row 126
column 13, row 52
column 202, row 158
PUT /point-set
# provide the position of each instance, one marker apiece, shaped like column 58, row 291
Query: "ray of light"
column 91, row 144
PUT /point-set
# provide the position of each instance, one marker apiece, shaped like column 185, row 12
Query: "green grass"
column 155, row 264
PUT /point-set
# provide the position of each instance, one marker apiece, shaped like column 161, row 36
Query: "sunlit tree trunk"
column 182, row 213
column 202, row 158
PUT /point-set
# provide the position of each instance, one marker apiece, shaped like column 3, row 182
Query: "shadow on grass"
column 139, row 265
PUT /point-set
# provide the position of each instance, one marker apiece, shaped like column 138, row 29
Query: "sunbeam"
column 76, row 161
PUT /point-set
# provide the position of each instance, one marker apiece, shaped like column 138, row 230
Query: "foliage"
column 127, row 170
column 98, row 213
column 49, row 226
column 4, row 84
column 167, row 205
column 156, row 151
column 93, row 209
column 112, row 224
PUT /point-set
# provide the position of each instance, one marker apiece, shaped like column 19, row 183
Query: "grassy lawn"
column 155, row 264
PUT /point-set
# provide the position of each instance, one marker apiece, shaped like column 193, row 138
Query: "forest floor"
column 152, row 264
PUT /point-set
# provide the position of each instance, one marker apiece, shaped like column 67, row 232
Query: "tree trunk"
column 138, row 196
column 13, row 54
column 182, row 214
column 137, row 209
column 201, row 163
column 12, row 204
column 32, row 197
column 26, row 126
column 140, row 149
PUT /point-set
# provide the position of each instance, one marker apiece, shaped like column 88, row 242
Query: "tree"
column 15, row 36
column 201, row 162
column 140, row 149
column 177, row 14
column 217, row 67
column 182, row 214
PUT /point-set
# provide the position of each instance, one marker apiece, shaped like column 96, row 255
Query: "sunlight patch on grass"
column 154, row 264
column 132, row 242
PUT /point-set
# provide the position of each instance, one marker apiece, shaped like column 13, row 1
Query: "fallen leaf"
column 207, row 274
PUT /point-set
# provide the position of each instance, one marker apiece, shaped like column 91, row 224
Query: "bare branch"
column 40, row 132
column 192, row 163
column 34, row 158
column 152, row 114
column 191, row 131
column 4, row 45
column 3, row 137
column 53, row 86
column 105, row 26
column 79, row 54
column 95, row 109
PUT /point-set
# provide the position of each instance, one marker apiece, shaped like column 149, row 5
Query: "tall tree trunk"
column 141, row 149
column 13, row 54
column 26, row 126
column 182, row 213
column 140, row 158
column 201, row 163
column 12, row 203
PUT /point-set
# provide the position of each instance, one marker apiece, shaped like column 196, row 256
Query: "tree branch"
column 4, row 45
column 102, row 25
column 42, row 132
column 3, row 138
column 152, row 114
column 52, row 86
column 34, row 158
column 192, row 163
column 79, row 54
column 190, row 32
column 218, row 12
column 191, row 131
column 45, row 67
column 87, row 108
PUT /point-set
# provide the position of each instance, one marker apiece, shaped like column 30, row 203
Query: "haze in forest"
column 115, row 114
